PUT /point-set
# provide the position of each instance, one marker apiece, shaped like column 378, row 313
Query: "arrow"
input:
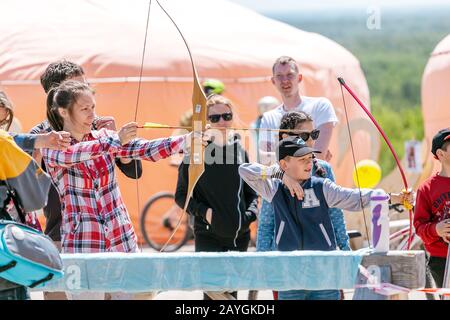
column 154, row 125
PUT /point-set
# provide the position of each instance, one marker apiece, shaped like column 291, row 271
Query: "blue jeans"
column 309, row 295
column 266, row 228
column 19, row 293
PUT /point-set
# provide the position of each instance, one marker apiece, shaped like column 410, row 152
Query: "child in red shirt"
column 432, row 212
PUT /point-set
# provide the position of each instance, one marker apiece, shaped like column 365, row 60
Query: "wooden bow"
column 196, row 160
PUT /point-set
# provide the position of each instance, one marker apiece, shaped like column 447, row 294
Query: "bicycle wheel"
column 156, row 230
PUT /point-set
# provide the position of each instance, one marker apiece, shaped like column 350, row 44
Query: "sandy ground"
column 242, row 295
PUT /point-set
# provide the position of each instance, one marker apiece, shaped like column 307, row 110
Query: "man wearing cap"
column 304, row 224
column 432, row 211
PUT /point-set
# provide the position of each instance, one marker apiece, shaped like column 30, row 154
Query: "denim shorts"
column 309, row 295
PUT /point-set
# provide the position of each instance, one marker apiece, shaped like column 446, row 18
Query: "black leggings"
column 210, row 243
column 437, row 269
column 205, row 242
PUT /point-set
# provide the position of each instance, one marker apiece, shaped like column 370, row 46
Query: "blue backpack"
column 27, row 256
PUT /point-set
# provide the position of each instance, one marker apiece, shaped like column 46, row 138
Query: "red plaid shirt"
column 94, row 217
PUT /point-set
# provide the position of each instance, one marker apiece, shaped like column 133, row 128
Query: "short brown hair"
column 283, row 60
column 59, row 71
column 292, row 119
column 6, row 103
column 445, row 145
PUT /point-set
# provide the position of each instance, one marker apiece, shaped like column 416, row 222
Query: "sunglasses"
column 214, row 118
column 306, row 135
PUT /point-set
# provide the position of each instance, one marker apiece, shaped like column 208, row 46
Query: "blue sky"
column 293, row 5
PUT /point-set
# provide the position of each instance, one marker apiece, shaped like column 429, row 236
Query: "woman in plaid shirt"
column 95, row 218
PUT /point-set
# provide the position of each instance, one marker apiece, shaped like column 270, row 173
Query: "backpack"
column 27, row 256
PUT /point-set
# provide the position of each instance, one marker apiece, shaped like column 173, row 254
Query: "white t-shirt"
column 320, row 109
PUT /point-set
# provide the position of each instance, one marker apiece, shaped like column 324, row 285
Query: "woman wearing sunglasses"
column 302, row 126
column 222, row 203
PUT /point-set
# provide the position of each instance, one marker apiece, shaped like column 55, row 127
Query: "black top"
column 233, row 202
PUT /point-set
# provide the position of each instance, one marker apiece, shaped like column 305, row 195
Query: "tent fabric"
column 436, row 97
column 228, row 42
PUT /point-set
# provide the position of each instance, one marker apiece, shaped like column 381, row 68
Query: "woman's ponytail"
column 55, row 120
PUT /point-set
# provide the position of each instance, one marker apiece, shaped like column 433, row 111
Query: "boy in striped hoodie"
column 304, row 224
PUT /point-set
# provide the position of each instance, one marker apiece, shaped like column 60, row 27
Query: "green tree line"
column 392, row 57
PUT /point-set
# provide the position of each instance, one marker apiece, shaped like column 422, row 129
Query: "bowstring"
column 354, row 163
column 138, row 98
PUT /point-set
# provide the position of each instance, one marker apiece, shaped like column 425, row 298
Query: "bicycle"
column 399, row 241
column 156, row 231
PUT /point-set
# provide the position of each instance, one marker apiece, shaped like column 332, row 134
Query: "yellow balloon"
column 369, row 174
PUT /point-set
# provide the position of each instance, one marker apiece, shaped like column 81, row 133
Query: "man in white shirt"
column 286, row 78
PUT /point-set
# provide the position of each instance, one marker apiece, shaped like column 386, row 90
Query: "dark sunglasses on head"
column 214, row 118
column 305, row 135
